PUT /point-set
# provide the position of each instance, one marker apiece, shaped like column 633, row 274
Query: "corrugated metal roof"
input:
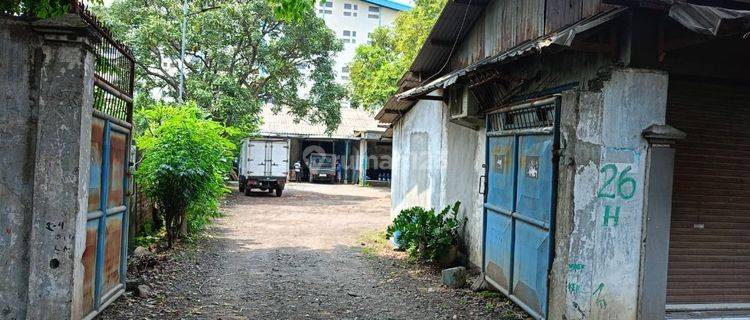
column 446, row 32
column 282, row 124
column 563, row 37
column 390, row 4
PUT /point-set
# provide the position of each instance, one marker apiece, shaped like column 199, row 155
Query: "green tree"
column 40, row 8
column 238, row 57
column 378, row 65
column 185, row 160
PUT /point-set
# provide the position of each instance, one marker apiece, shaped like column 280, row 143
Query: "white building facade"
column 353, row 21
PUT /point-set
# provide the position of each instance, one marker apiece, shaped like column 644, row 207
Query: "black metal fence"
column 114, row 70
column 523, row 118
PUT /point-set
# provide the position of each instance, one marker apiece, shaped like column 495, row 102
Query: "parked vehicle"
column 322, row 167
column 263, row 165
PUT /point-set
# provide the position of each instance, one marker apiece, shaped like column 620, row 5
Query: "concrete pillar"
column 657, row 218
column 60, row 184
column 17, row 145
column 346, row 161
column 363, row 161
column 606, row 204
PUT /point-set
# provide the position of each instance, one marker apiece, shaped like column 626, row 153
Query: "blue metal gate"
column 105, row 257
column 519, row 205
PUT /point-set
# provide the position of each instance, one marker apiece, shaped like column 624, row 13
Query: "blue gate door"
column 104, row 258
column 519, row 203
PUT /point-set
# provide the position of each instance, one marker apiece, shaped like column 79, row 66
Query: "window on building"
column 373, row 12
column 326, row 7
column 350, row 9
column 349, row 36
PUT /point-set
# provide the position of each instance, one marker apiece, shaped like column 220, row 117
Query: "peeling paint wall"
column 417, row 144
column 436, row 163
column 604, row 160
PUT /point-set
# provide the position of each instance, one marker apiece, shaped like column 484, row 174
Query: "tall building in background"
column 353, row 21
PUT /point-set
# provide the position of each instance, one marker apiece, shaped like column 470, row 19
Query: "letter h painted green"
column 609, row 216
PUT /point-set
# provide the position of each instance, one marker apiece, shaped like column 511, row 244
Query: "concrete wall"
column 46, row 80
column 17, row 152
column 463, row 156
column 417, row 158
column 602, row 189
column 436, row 163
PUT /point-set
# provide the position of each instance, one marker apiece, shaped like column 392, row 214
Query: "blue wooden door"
column 520, row 202
column 104, row 258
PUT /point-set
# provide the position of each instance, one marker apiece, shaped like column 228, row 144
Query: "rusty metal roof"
column 563, row 37
column 454, row 23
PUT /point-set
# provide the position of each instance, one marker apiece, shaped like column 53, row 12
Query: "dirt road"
column 300, row 256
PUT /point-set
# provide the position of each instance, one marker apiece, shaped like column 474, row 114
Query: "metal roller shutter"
column 709, row 250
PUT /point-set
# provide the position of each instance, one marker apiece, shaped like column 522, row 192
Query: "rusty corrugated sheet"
column 709, row 254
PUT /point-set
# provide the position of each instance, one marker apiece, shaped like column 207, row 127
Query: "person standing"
column 297, row 171
column 339, row 171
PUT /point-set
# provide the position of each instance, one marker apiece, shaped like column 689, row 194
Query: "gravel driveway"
column 300, row 256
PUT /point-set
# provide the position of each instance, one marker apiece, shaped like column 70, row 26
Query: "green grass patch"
column 373, row 243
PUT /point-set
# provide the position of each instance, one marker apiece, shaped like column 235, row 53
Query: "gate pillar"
column 64, row 99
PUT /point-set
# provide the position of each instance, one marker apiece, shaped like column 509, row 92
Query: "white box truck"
column 264, row 165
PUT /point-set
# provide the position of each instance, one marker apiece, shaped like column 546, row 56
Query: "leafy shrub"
column 424, row 234
column 185, row 160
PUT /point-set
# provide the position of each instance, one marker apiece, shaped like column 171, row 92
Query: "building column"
column 363, row 161
column 346, row 161
column 60, row 186
column 657, row 216
column 607, row 197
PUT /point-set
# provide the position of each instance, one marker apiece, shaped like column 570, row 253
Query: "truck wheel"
column 279, row 191
column 247, row 191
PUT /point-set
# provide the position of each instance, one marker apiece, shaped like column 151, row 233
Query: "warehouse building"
column 600, row 149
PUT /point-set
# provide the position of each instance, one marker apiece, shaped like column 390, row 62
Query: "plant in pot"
column 428, row 235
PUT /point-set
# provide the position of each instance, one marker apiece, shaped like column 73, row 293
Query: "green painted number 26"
column 610, row 174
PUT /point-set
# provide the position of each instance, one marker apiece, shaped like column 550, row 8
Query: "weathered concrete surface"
column 47, row 85
column 17, row 151
column 416, row 172
column 436, row 163
column 608, row 154
column 463, row 153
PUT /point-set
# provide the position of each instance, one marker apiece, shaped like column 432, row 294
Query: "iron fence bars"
column 114, row 70
column 525, row 117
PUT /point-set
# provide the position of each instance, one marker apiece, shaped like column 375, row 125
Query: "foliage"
column 378, row 66
column 424, row 233
column 185, row 160
column 291, row 10
column 238, row 57
column 42, row 9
